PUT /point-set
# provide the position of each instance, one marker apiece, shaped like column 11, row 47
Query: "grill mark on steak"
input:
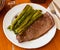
column 37, row 29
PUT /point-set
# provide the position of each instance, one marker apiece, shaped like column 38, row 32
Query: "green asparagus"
column 19, row 16
column 34, row 17
column 23, row 17
column 26, row 20
column 24, row 28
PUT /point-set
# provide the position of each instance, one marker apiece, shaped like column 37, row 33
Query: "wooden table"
column 5, row 44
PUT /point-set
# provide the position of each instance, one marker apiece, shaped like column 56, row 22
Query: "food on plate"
column 24, row 19
column 31, row 24
column 26, row 11
column 33, row 18
column 37, row 29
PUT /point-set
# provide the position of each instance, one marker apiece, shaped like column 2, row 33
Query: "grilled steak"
column 37, row 29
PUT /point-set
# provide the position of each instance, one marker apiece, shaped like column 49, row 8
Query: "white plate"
column 29, row 44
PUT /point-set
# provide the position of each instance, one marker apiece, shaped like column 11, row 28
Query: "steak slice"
column 37, row 29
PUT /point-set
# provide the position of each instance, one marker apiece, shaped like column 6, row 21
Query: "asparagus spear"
column 34, row 17
column 19, row 16
column 26, row 20
column 9, row 27
column 23, row 17
column 24, row 28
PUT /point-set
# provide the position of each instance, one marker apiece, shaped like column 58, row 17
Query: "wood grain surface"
column 5, row 44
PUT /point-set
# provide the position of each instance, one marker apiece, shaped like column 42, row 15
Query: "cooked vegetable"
column 26, row 20
column 34, row 17
column 19, row 16
column 9, row 27
column 23, row 17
